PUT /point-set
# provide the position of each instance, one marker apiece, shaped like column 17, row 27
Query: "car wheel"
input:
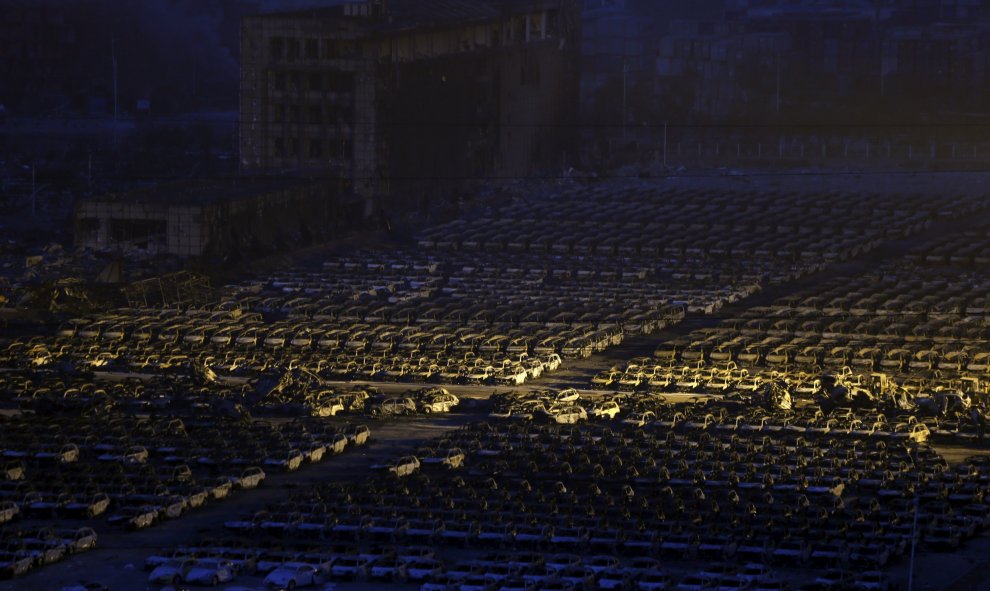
column 291, row 586
column 427, row 410
column 215, row 581
column 176, row 580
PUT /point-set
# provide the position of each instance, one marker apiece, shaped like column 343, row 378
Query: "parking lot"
column 691, row 388
column 528, row 490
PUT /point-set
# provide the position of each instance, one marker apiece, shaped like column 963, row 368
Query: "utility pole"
column 878, row 35
column 113, row 59
column 881, row 77
column 665, row 144
column 914, row 544
column 778, row 82
column 625, row 72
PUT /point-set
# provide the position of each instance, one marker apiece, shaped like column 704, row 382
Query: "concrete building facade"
column 613, row 46
column 399, row 100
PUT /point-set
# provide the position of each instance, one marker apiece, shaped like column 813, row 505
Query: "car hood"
column 163, row 571
column 279, row 576
column 201, row 572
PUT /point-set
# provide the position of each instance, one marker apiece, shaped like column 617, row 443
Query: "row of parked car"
column 910, row 333
column 964, row 248
column 662, row 374
column 717, row 491
column 117, row 470
column 940, row 408
column 729, row 482
column 25, row 549
column 558, row 406
column 903, row 318
column 474, row 316
column 293, row 394
column 222, row 560
column 422, row 401
column 649, row 222
column 731, row 413
column 404, row 316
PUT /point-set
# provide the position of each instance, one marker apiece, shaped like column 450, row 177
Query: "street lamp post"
column 625, row 73
column 914, row 545
column 778, row 82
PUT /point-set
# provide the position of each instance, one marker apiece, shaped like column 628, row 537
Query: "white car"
column 172, row 572
column 601, row 563
column 606, row 409
column 551, row 362
column 210, row 571
column 8, row 511
column 616, row 578
column 915, row 432
column 873, row 581
column 567, row 395
column 479, row 374
column 439, row 400
column 404, row 466
column 349, row 567
column 440, row 582
column 88, row 506
column 754, row 572
column 78, row 540
column 640, row 419
column 534, row 367
column 517, row 584
column 327, row 406
column 389, row 569
column 290, row 462
column 423, row 569
column 568, row 415
column 338, row 443
column 358, row 434
column 750, row 383
column 293, row 574
column 451, row 458
column 515, row 375
column 251, row 478
column 135, row 517
column 687, row 583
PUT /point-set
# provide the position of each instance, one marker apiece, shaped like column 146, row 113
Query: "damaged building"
column 407, row 99
column 214, row 218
